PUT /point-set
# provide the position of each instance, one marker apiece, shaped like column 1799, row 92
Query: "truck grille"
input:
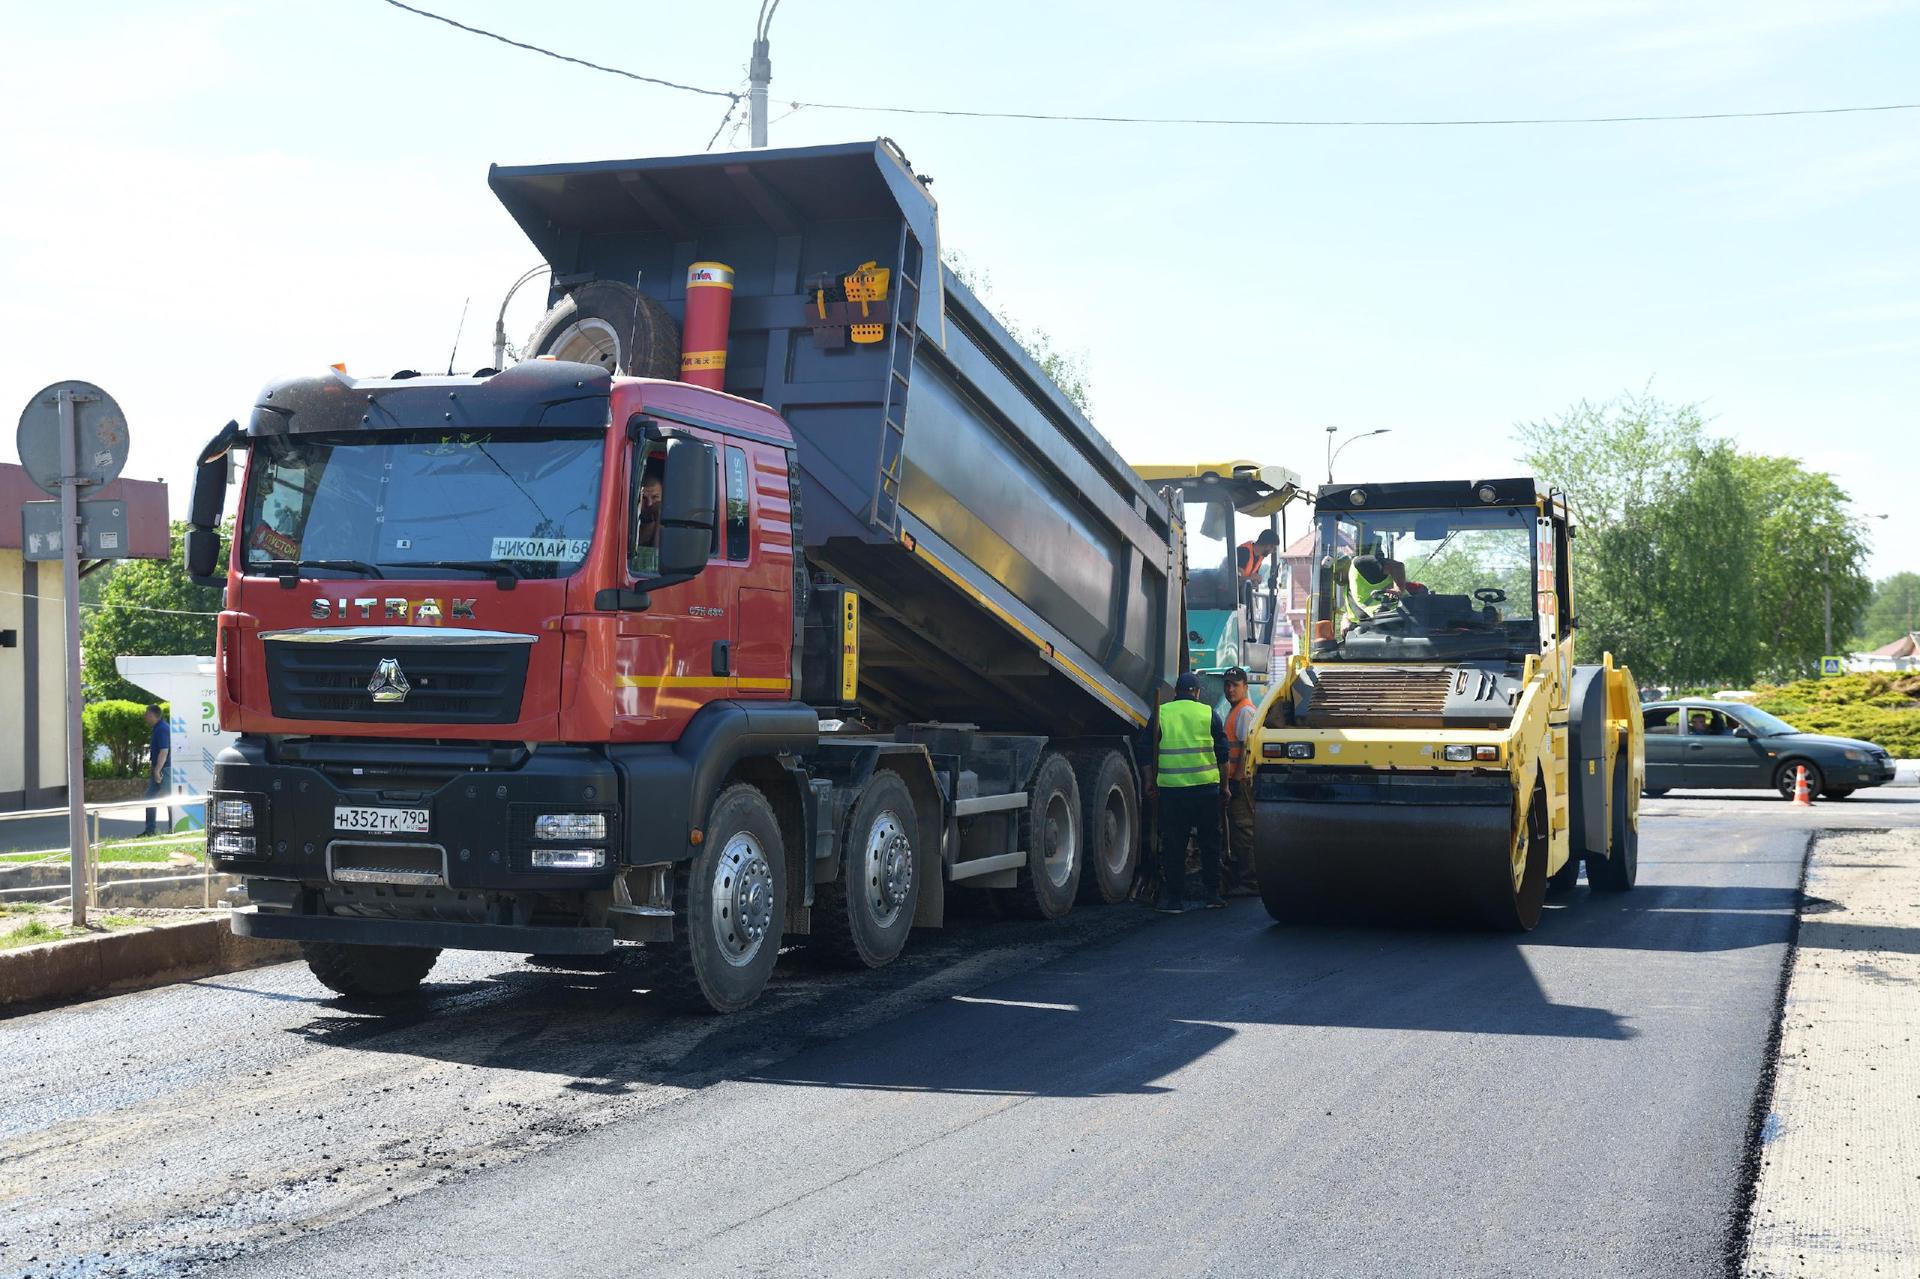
column 445, row 684
column 1360, row 695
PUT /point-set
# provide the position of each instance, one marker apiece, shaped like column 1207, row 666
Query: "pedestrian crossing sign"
column 1833, row 666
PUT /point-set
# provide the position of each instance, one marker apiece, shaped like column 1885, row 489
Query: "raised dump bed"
column 1014, row 572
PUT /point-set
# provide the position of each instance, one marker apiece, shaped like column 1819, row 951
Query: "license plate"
column 382, row 821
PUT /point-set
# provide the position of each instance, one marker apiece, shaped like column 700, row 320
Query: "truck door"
column 756, row 540
column 666, row 656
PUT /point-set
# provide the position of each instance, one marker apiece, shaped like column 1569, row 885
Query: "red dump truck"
column 775, row 633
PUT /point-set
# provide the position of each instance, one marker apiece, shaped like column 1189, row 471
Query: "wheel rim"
column 742, row 899
column 1116, row 833
column 1787, row 779
column 1057, row 840
column 588, row 341
column 889, row 868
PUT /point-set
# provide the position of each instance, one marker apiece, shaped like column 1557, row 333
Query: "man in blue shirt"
column 159, row 748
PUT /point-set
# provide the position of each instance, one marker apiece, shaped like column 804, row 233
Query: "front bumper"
column 429, row 933
column 479, row 836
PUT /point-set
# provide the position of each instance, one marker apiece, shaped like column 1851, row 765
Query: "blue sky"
column 202, row 198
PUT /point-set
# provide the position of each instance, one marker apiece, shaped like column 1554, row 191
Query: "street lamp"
column 1334, row 453
column 500, row 321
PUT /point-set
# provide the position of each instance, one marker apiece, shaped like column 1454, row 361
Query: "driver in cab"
column 1374, row 582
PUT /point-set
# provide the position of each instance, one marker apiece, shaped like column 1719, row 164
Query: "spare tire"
column 613, row 325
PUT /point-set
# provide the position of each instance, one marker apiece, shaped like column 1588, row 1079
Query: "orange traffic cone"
column 1802, row 796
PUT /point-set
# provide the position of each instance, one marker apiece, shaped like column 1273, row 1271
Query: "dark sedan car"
column 1722, row 745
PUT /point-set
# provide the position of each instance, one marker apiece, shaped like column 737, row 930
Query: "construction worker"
column 1239, row 877
column 1250, row 555
column 1373, row 582
column 1188, row 755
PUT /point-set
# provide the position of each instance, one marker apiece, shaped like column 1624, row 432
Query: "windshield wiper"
column 288, row 571
column 505, row 575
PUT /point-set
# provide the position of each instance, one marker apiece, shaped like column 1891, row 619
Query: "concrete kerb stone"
column 134, row 959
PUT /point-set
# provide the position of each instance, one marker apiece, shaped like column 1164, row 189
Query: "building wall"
column 33, row 742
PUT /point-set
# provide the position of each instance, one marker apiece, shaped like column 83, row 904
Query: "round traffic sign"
column 100, row 436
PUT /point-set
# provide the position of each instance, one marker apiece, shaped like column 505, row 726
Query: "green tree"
column 1894, row 611
column 1664, row 525
column 1067, row 368
column 146, row 607
column 1810, row 556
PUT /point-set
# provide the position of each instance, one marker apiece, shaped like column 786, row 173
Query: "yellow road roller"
column 1433, row 748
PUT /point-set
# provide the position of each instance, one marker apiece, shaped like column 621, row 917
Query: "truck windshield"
column 1424, row 585
column 424, row 503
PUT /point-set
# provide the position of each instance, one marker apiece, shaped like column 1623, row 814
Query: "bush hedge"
column 121, row 727
column 1882, row 707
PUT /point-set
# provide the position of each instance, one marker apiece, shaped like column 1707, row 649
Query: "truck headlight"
column 570, row 826
column 227, row 844
column 1299, row 750
column 1458, row 754
column 232, row 814
column 569, row 858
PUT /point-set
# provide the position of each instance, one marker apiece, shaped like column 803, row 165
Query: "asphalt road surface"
column 1119, row 1093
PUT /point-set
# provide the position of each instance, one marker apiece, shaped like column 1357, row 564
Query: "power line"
column 1360, row 124
column 549, row 53
column 1210, row 121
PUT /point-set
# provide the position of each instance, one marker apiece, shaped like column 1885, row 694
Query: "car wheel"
column 1838, row 792
column 1653, row 792
column 1783, row 777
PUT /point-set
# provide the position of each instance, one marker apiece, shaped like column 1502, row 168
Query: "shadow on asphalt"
column 1103, row 1020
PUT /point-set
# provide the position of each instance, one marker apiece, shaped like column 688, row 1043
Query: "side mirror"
column 205, row 511
column 1743, row 732
column 688, row 507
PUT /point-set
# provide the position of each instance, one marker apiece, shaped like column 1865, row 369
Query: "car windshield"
column 1447, row 584
column 424, row 503
column 1760, row 722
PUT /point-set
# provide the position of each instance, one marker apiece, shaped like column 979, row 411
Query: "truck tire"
column 1619, row 870
column 1050, row 880
column 862, row 919
column 730, row 903
column 1110, row 819
column 613, row 325
column 368, row 972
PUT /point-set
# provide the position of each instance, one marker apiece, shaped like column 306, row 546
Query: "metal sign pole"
column 70, row 563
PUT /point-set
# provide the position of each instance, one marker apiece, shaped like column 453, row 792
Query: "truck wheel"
column 730, row 905
column 368, row 972
column 613, row 325
column 863, row 918
column 1516, row 889
column 1110, row 817
column 1621, row 867
column 1051, row 877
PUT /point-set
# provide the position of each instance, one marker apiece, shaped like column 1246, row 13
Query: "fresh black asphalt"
column 1209, row 1094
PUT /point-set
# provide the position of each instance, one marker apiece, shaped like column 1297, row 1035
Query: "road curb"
column 137, row 959
column 1836, row 1192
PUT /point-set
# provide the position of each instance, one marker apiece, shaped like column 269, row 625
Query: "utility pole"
column 759, row 72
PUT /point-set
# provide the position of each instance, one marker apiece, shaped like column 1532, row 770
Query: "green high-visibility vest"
column 1186, row 744
column 1363, row 593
